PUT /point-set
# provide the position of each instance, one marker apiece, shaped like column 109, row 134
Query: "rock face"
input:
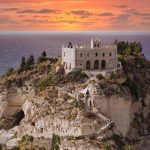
column 39, row 124
column 78, row 109
column 12, row 101
column 117, row 109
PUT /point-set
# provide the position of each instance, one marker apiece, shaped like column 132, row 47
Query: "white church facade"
column 96, row 56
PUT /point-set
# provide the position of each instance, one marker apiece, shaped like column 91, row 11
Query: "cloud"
column 147, row 24
column 120, row 19
column 10, row 9
column 106, row 14
column 81, row 13
column 146, row 18
column 27, row 11
column 6, row 20
column 35, row 21
column 42, row 11
column 136, row 12
column 120, row 6
column 132, row 11
column 46, row 11
column 144, row 14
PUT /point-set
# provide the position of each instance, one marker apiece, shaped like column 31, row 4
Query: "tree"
column 126, row 48
column 43, row 57
column 44, row 54
column 23, row 64
column 31, row 60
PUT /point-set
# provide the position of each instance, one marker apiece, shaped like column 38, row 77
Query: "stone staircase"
column 102, row 130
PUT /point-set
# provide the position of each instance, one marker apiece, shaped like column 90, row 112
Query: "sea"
column 14, row 45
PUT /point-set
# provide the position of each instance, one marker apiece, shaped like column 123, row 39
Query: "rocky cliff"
column 41, row 104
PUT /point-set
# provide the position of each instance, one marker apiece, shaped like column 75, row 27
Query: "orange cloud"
column 74, row 15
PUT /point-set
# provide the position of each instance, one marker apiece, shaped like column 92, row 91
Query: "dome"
column 60, row 69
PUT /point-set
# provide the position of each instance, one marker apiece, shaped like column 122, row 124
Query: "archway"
column 103, row 64
column 88, row 65
column 96, row 64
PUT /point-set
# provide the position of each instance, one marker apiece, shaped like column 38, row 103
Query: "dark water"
column 13, row 46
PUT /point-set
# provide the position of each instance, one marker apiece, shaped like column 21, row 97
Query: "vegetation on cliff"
column 128, row 48
column 136, row 68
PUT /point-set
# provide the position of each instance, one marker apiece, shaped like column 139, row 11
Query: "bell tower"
column 95, row 43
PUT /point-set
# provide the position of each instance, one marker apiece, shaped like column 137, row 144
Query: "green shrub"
column 100, row 76
column 43, row 83
column 118, row 140
column 93, row 137
column 129, row 148
column 29, row 138
column 133, row 88
column 19, row 82
column 9, row 71
column 75, row 76
column 42, row 59
column 113, row 76
column 57, row 79
column 107, row 147
column 56, row 140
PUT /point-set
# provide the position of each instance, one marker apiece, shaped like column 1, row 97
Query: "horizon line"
column 75, row 32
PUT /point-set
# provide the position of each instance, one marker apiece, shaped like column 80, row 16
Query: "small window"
column 70, row 66
column 110, row 54
column 80, row 64
column 103, row 54
column 80, row 54
column 97, row 45
column 87, row 54
column 96, row 54
column 94, row 45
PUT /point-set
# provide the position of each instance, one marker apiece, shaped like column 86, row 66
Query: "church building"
column 95, row 56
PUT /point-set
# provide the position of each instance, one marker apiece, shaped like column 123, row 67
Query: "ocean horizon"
column 14, row 45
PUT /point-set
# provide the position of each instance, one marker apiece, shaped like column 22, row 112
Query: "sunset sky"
column 75, row 15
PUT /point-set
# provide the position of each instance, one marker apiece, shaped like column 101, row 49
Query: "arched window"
column 96, row 54
column 103, row 64
column 96, row 64
column 88, row 65
column 110, row 54
column 80, row 54
column 103, row 54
